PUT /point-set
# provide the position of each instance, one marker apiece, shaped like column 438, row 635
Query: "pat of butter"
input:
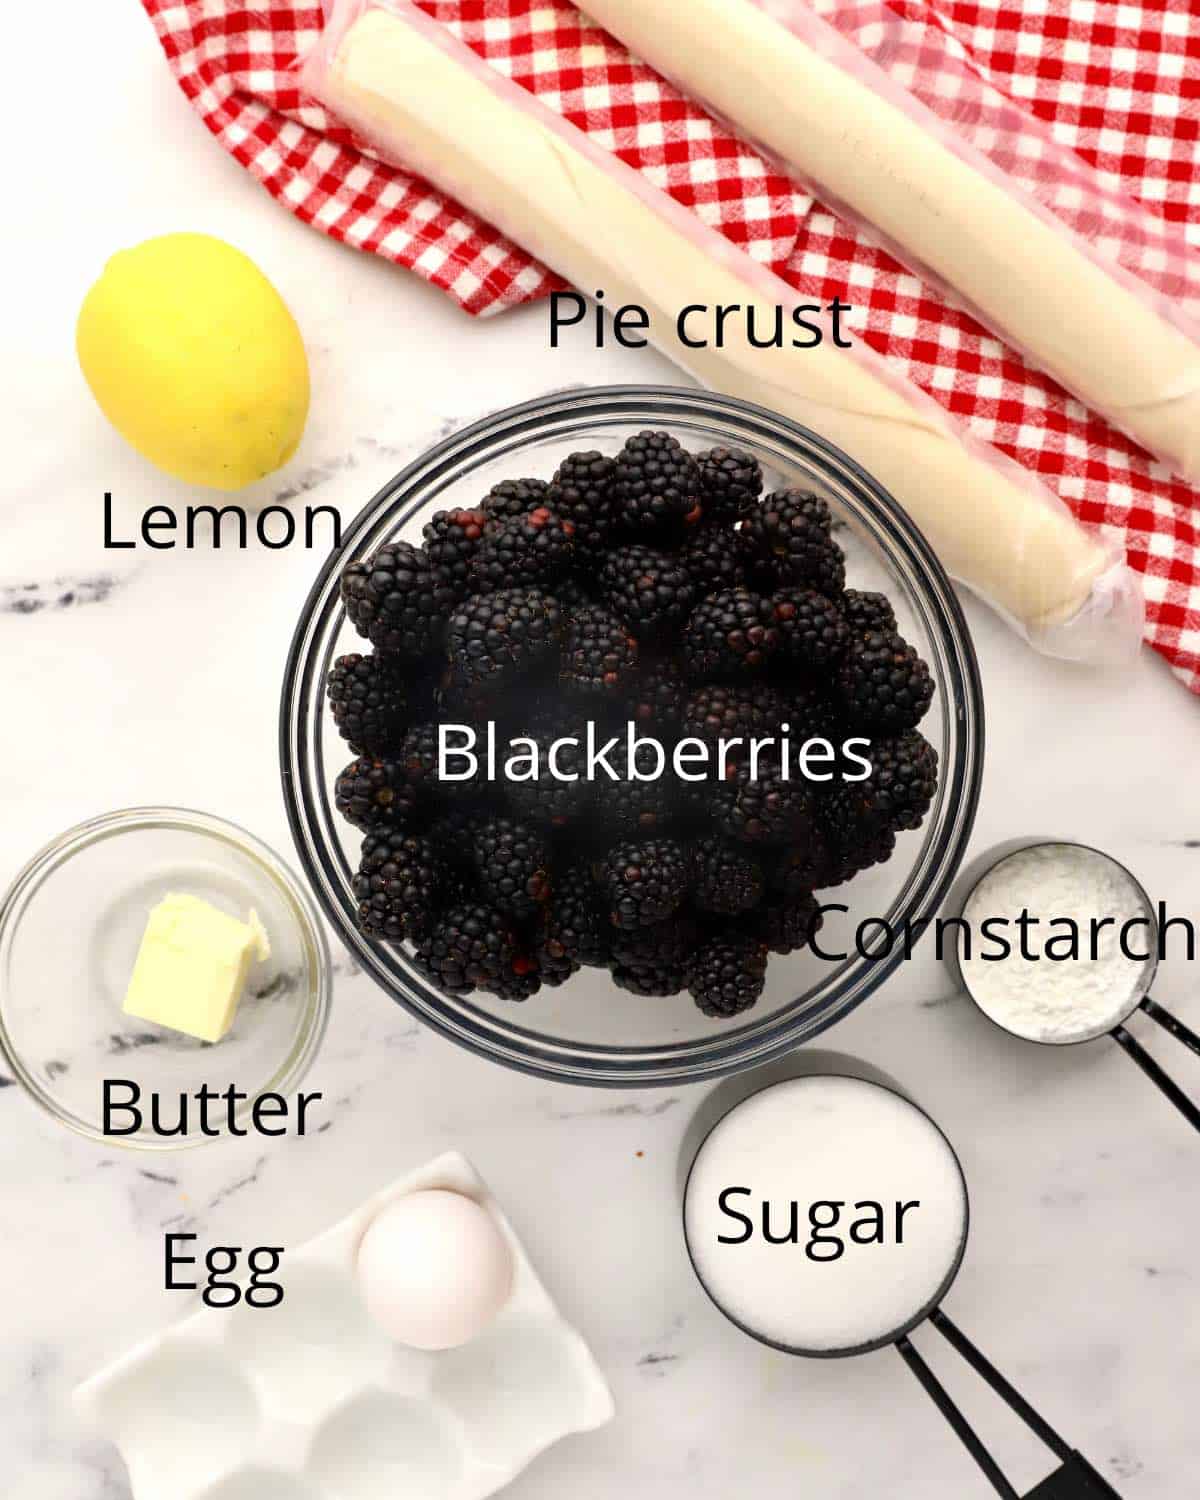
column 192, row 966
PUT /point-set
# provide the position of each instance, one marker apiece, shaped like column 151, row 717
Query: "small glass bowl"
column 70, row 927
column 588, row 1031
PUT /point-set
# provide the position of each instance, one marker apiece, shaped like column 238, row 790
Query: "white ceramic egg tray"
column 310, row 1400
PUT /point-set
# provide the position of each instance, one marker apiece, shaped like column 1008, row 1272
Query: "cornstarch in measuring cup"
column 1071, row 999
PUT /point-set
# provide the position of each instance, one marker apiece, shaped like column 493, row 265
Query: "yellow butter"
column 192, row 966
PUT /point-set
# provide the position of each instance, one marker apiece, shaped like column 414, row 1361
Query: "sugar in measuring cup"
column 1071, row 1000
column 827, row 1216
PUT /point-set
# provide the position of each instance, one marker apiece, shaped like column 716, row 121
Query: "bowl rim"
column 542, row 1056
column 309, row 1034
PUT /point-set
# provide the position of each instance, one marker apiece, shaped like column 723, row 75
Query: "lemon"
column 195, row 359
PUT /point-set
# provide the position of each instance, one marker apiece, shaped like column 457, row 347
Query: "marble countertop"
column 138, row 677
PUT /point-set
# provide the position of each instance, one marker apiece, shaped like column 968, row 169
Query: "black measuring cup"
column 1074, row 1478
column 1140, row 998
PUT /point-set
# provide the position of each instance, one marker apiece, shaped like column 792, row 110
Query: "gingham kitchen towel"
column 1117, row 82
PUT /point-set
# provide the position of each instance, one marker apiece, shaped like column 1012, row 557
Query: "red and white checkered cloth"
column 1117, row 82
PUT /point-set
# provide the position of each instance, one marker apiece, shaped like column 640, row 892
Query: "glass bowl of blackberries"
column 632, row 736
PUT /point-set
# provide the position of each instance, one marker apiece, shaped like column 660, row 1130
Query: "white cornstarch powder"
column 1064, row 888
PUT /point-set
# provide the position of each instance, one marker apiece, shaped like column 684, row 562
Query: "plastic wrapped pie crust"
column 422, row 98
column 896, row 132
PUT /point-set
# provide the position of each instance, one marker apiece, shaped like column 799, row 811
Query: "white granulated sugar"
column 1041, row 999
column 804, row 1153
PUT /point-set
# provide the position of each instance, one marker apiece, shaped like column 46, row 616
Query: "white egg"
column 434, row 1269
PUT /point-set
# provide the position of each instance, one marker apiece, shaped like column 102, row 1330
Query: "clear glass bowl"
column 62, row 1028
column 588, row 1031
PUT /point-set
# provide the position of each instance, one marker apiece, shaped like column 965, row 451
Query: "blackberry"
column 788, row 541
column 419, row 755
column 468, row 700
column 554, row 965
column 649, row 589
column 452, row 540
column 856, row 831
column 512, row 863
column 730, row 482
column 824, row 570
column 725, row 879
column 657, row 980
column 802, row 507
column 803, row 867
column 644, row 882
column 699, row 790
column 642, row 803
column 576, row 928
column 368, row 701
column 656, row 486
column 546, row 799
column 522, row 980
column 371, row 793
column 732, row 711
column 788, row 925
column 470, row 946
column 904, row 776
column 397, row 600
column 714, row 558
column 669, row 942
column 865, row 612
column 853, row 856
column 772, row 807
column 581, row 491
column 453, row 836
column 399, row 883
column 729, row 633
column 574, row 590
column 492, row 636
column 653, row 960
column 599, row 654
column 809, row 715
column 849, row 813
column 726, row 718
column 512, row 498
column 657, row 695
column 419, row 762
column 727, row 974
column 883, row 683
column 537, row 547
column 812, row 630
column 897, row 793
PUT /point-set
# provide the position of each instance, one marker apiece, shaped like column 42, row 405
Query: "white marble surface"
column 135, row 677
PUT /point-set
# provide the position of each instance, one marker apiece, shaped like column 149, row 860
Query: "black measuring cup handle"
column 1154, row 1071
column 1074, row 1479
